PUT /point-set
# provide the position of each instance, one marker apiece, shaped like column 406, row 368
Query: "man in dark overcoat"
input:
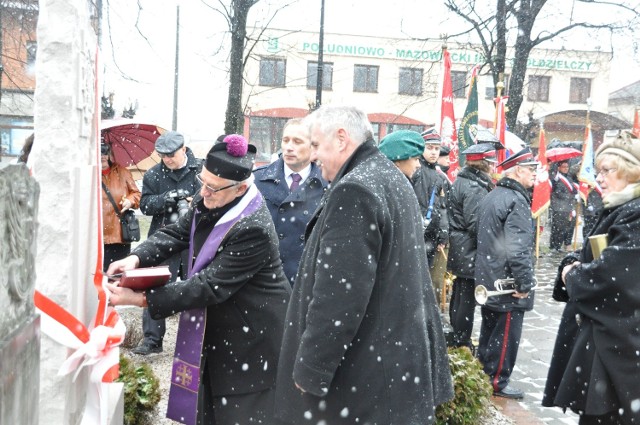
column 160, row 185
column 563, row 209
column 472, row 184
column 363, row 341
column 505, row 250
column 233, row 302
column 292, row 187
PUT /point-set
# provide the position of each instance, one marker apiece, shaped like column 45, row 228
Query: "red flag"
column 636, row 124
column 501, row 126
column 542, row 187
column 447, row 118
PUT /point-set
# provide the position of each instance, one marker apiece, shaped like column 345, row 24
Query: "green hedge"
column 141, row 391
column 472, row 390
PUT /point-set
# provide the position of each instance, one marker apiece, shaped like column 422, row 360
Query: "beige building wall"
column 389, row 55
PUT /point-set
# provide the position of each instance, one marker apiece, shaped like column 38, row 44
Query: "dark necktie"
column 295, row 177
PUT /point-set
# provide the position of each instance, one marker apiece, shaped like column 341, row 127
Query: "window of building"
column 410, row 81
column 266, row 133
column 365, row 78
column 396, row 127
column 13, row 133
column 579, row 90
column 376, row 131
column 459, row 83
column 490, row 91
column 272, row 72
column 312, row 75
column 538, row 90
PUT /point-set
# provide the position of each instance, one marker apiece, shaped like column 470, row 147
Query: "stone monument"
column 19, row 323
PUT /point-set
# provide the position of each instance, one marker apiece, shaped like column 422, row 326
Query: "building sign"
column 469, row 57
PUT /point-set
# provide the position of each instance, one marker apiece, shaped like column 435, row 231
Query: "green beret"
column 402, row 144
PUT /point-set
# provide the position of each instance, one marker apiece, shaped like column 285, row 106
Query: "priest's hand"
column 128, row 263
column 125, row 296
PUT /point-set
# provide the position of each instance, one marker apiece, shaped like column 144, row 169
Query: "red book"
column 145, row 278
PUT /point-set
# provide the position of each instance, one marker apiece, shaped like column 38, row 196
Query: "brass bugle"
column 482, row 294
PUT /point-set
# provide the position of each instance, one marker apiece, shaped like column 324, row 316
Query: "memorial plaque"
column 19, row 324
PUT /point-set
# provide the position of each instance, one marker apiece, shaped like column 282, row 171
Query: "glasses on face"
column 604, row 171
column 212, row 189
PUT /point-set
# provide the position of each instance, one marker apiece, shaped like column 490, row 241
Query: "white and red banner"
column 542, row 187
column 447, row 118
column 501, row 126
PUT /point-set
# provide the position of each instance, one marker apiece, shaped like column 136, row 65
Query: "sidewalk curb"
column 513, row 410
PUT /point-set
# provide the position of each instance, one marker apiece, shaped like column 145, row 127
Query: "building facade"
column 398, row 82
column 18, row 20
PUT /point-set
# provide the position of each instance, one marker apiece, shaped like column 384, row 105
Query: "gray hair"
column 509, row 171
column 330, row 118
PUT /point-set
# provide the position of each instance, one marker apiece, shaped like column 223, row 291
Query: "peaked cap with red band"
column 524, row 157
column 480, row 152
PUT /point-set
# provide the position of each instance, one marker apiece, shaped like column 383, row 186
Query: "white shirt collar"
column 304, row 173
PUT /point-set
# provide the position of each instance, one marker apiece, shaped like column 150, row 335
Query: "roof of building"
column 631, row 91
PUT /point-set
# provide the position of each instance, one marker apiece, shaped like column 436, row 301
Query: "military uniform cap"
column 444, row 150
column 524, row 157
column 431, row 137
column 479, row 152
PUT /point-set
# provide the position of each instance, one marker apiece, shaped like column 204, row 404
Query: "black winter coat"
column 290, row 211
column 465, row 196
column 244, row 290
column 424, row 182
column 595, row 366
column 363, row 335
column 159, row 180
column 563, row 197
column 505, row 244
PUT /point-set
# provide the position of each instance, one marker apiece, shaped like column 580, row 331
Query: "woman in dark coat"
column 595, row 365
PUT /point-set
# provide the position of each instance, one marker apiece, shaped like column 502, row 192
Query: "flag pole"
column 499, row 88
column 587, row 130
column 537, row 236
column 541, row 189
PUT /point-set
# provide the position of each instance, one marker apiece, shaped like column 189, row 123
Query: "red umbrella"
column 131, row 142
column 562, row 154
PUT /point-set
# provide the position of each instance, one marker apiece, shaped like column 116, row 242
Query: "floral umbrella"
column 131, row 142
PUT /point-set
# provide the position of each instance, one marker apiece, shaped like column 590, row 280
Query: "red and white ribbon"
column 97, row 349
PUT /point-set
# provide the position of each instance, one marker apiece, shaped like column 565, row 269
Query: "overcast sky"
column 141, row 64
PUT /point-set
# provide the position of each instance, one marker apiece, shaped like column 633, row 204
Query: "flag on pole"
column 636, row 124
column 542, row 186
column 465, row 139
column 587, row 174
column 501, row 126
column 447, row 118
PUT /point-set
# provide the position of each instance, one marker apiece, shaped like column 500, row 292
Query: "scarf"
column 615, row 199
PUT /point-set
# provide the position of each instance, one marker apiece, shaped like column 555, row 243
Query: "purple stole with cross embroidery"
column 185, row 374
